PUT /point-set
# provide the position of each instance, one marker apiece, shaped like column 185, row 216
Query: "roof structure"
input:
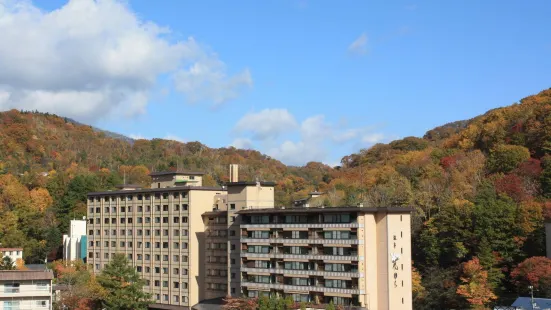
column 177, row 172
column 539, row 303
column 14, row 275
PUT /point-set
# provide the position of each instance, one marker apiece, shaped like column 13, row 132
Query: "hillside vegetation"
column 480, row 190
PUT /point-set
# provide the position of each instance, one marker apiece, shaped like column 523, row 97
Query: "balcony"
column 24, row 292
column 303, row 241
column 302, row 256
column 303, row 272
column 309, row 225
column 298, row 288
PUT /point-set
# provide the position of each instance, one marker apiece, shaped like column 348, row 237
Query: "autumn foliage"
column 535, row 271
column 474, row 284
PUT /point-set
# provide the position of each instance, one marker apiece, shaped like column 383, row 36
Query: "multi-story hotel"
column 24, row 289
column 223, row 261
column 159, row 229
column 351, row 256
column 193, row 243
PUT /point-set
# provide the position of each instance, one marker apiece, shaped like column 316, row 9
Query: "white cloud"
column 298, row 153
column 93, row 58
column 174, row 138
column 359, row 46
column 266, row 124
column 315, row 128
column 242, row 143
column 137, row 137
column 372, row 138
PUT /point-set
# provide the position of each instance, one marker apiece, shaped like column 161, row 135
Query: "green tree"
column 504, row 158
column 330, row 306
column 123, row 285
column 6, row 263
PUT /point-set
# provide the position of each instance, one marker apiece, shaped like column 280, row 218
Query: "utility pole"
column 531, row 288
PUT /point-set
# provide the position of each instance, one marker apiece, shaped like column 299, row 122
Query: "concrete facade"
column 26, row 289
column 74, row 244
column 351, row 256
column 161, row 232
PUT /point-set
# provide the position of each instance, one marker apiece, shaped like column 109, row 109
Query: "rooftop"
column 328, row 210
column 177, row 172
column 128, row 186
column 10, row 275
column 159, row 190
column 251, row 183
column 11, row 249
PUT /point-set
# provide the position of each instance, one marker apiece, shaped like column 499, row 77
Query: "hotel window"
column 165, row 232
column 123, row 232
column 157, row 245
column 147, row 244
column 184, row 232
column 184, row 245
column 147, row 257
column 106, row 244
column 157, row 269
column 140, row 232
column 176, row 232
column 165, row 195
column 165, row 207
column 106, row 221
column 157, row 283
column 176, row 195
column 123, row 220
column 184, row 207
column 232, row 206
column 176, row 245
column 176, row 207
column 176, row 284
column 129, row 220
column 165, row 270
column 148, row 232
column 165, row 219
column 157, row 257
column 113, row 209
column 106, row 209
column 165, row 258
column 140, row 209
column 157, row 219
column 157, row 232
column 147, row 208
column 175, row 258
column 176, row 271
column 176, row 219
column 184, row 219
column 165, row 245
column 148, row 219
column 157, row 208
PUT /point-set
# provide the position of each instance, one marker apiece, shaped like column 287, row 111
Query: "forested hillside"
column 480, row 189
column 48, row 164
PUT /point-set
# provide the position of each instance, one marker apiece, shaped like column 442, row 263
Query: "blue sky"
column 299, row 80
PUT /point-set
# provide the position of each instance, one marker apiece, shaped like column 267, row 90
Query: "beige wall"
column 163, row 181
column 200, row 202
column 369, row 265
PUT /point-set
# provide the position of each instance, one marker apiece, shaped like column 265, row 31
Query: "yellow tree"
column 475, row 287
column 40, row 199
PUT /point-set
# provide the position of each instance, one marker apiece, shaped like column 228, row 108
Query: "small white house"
column 13, row 253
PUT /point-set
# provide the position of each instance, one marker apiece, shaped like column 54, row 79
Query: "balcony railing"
column 308, row 225
column 303, row 272
column 308, row 288
column 303, row 256
column 302, row 241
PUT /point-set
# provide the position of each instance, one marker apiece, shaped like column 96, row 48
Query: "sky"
column 299, row 80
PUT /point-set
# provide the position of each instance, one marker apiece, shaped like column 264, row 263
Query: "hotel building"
column 159, row 229
column 352, row 256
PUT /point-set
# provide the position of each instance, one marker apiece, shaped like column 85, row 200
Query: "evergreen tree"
column 123, row 285
column 6, row 263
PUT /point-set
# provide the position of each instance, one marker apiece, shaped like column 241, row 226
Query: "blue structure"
column 539, row 303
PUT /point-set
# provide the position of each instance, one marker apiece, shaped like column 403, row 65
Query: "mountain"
column 480, row 189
